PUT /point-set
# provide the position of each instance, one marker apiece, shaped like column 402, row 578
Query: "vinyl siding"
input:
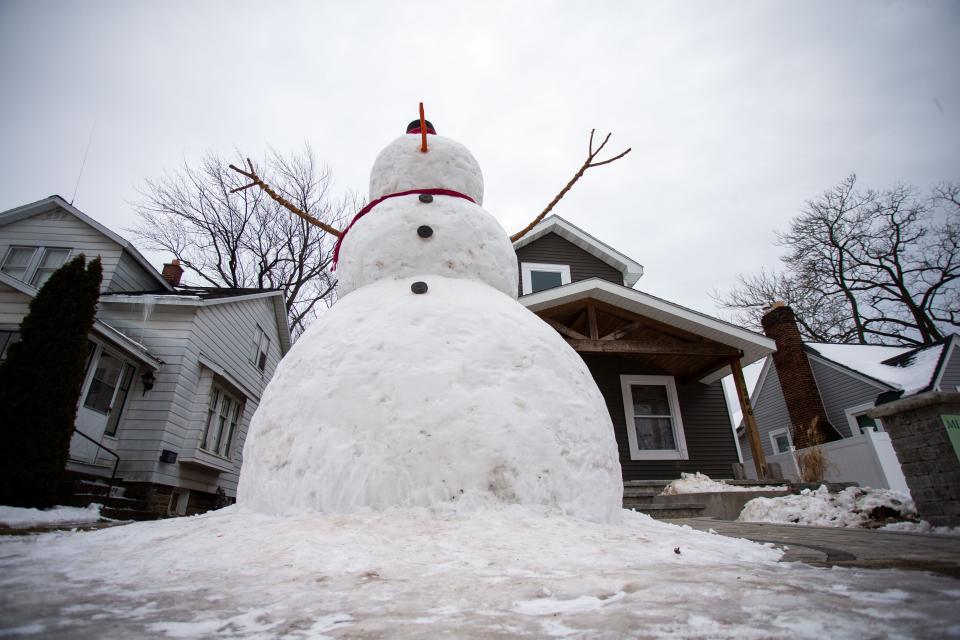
column 130, row 275
column 770, row 412
column 157, row 419
column 552, row 249
column 950, row 381
column 224, row 334
column 839, row 391
column 14, row 305
column 706, row 423
column 57, row 228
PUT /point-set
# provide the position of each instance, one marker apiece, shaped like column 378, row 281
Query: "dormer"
column 556, row 252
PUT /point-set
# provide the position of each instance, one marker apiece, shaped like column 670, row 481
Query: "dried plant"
column 812, row 460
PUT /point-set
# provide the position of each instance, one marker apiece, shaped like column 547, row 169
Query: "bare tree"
column 865, row 267
column 248, row 239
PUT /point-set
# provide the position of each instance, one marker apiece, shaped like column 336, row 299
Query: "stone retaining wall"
column 927, row 457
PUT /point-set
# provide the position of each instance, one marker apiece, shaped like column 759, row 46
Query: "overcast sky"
column 737, row 112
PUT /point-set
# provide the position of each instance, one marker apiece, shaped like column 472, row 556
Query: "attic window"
column 539, row 277
column 261, row 344
column 33, row 265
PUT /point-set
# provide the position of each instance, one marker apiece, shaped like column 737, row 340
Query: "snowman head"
column 446, row 164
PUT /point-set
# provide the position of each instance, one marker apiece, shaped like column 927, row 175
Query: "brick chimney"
column 796, row 377
column 172, row 272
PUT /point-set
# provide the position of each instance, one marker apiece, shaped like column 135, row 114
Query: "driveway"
column 825, row 546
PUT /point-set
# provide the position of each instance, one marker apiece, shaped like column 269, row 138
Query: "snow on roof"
column 907, row 368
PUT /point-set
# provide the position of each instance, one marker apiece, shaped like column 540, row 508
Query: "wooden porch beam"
column 749, row 420
column 619, row 333
column 564, row 330
column 652, row 348
column 592, row 322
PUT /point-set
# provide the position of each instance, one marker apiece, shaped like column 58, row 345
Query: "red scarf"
column 371, row 205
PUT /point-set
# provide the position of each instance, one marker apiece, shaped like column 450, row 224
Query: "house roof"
column 908, row 369
column 631, row 269
column 753, row 345
column 208, row 296
column 54, row 202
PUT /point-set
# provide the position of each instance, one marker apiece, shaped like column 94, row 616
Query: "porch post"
column 749, row 421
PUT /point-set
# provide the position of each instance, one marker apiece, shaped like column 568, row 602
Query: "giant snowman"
column 427, row 383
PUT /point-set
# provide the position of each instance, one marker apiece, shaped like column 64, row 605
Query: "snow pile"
column 852, row 507
column 701, row 483
column 514, row 572
column 921, row 527
column 20, row 517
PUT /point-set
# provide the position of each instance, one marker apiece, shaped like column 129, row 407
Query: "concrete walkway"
column 868, row 548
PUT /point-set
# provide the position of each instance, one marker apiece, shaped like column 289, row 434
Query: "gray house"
column 174, row 372
column 658, row 364
column 839, row 384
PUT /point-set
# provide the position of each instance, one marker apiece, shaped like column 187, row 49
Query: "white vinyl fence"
column 867, row 459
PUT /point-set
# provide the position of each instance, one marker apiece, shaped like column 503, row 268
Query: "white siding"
column 130, row 275
column 157, row 419
column 14, row 305
column 224, row 334
column 58, row 228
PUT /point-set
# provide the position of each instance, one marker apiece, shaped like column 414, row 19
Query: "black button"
column 419, row 287
column 424, row 231
column 426, row 197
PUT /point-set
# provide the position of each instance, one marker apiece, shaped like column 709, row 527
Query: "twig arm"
column 258, row 182
column 591, row 155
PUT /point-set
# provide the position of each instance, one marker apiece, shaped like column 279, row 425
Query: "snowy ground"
column 852, row 507
column 702, row 483
column 20, row 517
column 417, row 573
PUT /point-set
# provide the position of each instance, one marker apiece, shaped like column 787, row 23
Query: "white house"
column 174, row 372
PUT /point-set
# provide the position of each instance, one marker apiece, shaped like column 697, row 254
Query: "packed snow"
column 702, row 483
column 852, row 507
column 511, row 572
column 466, row 242
column 455, row 394
column 22, row 517
column 379, row 404
column 447, row 164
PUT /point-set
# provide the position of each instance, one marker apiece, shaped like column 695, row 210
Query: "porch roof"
column 703, row 343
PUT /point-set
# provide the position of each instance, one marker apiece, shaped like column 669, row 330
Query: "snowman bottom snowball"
column 458, row 397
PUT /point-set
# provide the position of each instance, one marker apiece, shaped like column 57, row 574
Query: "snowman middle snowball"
column 460, row 396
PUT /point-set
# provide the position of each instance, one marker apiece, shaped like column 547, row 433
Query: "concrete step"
column 128, row 514
column 674, row 510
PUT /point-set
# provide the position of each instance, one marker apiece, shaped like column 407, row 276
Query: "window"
column 33, row 265
column 261, row 344
column 120, row 400
column 538, row 277
column 7, row 338
column 652, row 411
column 860, row 422
column 223, row 416
column 179, row 498
column 781, row 441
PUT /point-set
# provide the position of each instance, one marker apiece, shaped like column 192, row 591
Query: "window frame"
column 32, row 268
column 228, row 422
column 851, row 414
column 680, row 452
column 526, row 277
column 261, row 349
column 773, row 440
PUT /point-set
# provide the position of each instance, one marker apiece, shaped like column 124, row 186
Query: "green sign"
column 952, row 423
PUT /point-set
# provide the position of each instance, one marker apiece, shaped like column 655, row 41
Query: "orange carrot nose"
column 423, row 130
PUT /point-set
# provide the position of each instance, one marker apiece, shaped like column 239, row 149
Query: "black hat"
column 414, row 127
